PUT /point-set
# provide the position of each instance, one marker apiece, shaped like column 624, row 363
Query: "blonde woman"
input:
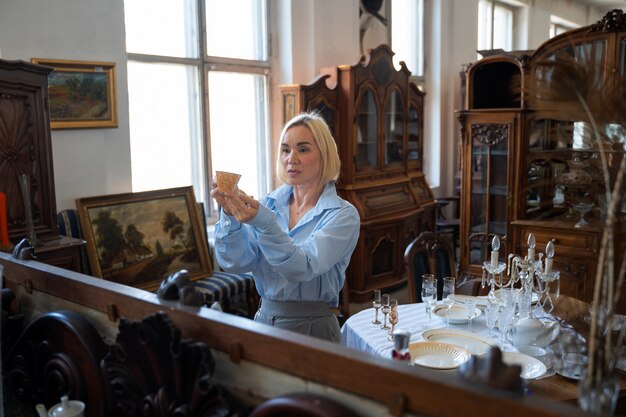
column 298, row 240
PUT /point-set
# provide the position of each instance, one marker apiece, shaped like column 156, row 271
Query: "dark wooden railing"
column 367, row 383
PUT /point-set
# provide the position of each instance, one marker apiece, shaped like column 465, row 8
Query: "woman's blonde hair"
column 331, row 164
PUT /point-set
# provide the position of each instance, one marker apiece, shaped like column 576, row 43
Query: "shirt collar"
column 328, row 200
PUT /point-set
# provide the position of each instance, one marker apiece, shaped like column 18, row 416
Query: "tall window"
column 407, row 34
column 558, row 26
column 495, row 25
column 198, row 103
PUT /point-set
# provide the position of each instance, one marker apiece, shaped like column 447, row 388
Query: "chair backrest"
column 427, row 254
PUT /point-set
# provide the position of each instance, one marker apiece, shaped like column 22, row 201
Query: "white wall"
column 86, row 161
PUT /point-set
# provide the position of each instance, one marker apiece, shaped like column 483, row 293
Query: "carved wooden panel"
column 25, row 147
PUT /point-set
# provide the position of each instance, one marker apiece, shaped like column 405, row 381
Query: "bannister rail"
column 345, row 374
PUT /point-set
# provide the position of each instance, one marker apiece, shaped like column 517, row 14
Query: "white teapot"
column 65, row 408
column 533, row 332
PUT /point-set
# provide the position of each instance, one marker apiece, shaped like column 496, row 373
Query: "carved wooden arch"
column 302, row 405
column 58, row 354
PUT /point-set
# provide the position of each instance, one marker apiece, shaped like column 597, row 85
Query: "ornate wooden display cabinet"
column 26, row 148
column 376, row 116
column 533, row 161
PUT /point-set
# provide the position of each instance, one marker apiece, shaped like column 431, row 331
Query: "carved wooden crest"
column 151, row 371
column 490, row 133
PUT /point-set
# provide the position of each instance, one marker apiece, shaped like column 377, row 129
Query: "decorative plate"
column 458, row 313
column 475, row 344
column 438, row 355
column 531, row 368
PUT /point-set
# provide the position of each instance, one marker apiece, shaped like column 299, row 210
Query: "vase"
column 599, row 397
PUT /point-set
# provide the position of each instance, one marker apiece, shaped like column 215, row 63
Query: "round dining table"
column 358, row 332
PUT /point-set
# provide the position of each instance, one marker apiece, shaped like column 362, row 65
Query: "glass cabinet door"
column 394, row 132
column 489, row 178
column 367, row 130
column 414, row 134
column 488, row 184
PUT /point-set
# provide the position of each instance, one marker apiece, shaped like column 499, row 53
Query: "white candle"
column 549, row 256
column 531, row 247
column 495, row 246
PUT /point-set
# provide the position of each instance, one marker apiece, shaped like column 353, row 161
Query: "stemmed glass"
column 377, row 304
column 506, row 315
column 448, row 296
column 393, row 317
column 471, row 310
column 491, row 315
column 429, row 295
column 386, row 308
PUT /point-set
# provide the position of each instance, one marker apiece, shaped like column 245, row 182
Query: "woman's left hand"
column 241, row 206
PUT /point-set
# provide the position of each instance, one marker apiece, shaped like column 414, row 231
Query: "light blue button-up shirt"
column 306, row 263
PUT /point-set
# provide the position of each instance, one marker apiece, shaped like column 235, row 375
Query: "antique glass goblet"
column 386, row 308
column 582, row 208
column 377, row 304
column 448, row 296
column 491, row 316
column 471, row 311
column 393, row 316
column 429, row 296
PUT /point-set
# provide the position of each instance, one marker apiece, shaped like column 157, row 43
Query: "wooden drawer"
column 565, row 243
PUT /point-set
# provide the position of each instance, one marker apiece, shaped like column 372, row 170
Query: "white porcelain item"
column 532, row 332
column 475, row 344
column 458, row 313
column 65, row 408
column 531, row 368
column 438, row 355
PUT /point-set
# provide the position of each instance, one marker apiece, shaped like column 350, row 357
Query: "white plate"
column 438, row 355
column 531, row 368
column 475, row 344
column 458, row 313
column 483, row 300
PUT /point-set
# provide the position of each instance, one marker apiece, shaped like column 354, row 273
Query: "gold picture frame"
column 81, row 93
column 139, row 239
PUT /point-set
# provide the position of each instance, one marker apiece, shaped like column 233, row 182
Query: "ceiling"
column 606, row 3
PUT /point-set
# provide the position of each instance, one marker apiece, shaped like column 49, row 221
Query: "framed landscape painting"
column 81, row 93
column 139, row 239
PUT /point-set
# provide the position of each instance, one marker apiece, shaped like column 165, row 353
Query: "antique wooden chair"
column 428, row 253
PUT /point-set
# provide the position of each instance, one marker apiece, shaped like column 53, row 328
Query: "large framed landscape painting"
column 81, row 93
column 138, row 239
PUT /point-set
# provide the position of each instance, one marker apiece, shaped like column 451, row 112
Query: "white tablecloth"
column 358, row 332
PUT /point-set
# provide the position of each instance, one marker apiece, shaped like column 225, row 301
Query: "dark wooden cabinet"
column 543, row 140
column 376, row 115
column 26, row 148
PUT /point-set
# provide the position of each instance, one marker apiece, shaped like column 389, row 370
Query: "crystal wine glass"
column 491, row 315
column 448, row 296
column 429, row 296
column 393, row 316
column 377, row 304
column 505, row 319
column 471, row 311
column 386, row 308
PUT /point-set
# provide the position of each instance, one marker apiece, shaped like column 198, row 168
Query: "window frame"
column 206, row 63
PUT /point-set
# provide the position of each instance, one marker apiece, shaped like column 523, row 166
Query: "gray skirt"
column 312, row 318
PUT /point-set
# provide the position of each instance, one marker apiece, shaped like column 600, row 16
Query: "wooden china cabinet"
column 26, row 148
column 376, row 115
column 535, row 158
